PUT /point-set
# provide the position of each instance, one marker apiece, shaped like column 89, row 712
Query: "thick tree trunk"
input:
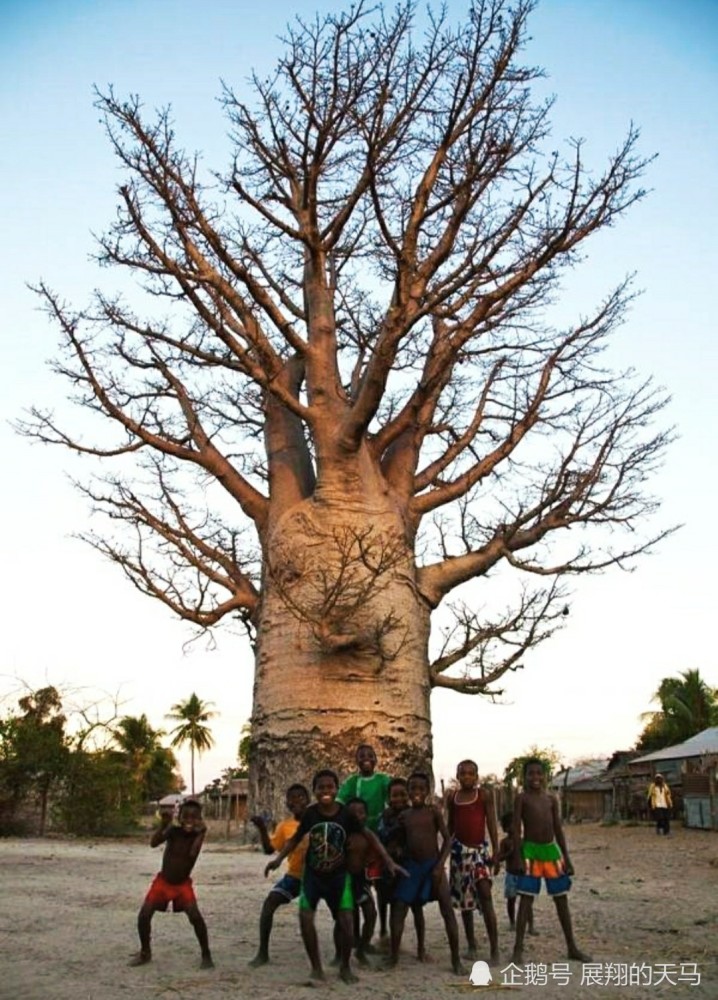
column 342, row 645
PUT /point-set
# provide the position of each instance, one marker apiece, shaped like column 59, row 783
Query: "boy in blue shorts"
column 327, row 824
column 540, row 851
column 290, row 884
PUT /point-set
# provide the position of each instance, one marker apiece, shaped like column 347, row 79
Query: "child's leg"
column 511, row 911
column 344, row 923
column 144, row 929
column 420, row 928
column 526, row 904
column 266, row 918
column 443, row 896
column 363, row 941
column 564, row 917
column 467, row 918
column 311, row 943
column 399, row 909
column 483, row 889
column 200, row 929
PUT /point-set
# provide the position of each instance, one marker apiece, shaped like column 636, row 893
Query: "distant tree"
column 95, row 798
column 688, row 705
column 244, row 750
column 346, row 395
column 550, row 758
column 152, row 766
column 34, row 750
column 192, row 716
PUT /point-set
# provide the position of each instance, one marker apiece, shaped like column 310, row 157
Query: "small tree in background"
column 514, row 771
column 34, row 752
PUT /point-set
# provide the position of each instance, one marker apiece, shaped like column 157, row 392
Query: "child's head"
column 534, row 772
column 297, row 800
column 467, row 774
column 398, row 794
column 366, row 759
column 358, row 807
column 190, row 814
column 325, row 785
column 507, row 822
column 419, row 786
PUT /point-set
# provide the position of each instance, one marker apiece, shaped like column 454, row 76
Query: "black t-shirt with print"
column 327, row 845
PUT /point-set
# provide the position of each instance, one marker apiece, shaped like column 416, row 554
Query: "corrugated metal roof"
column 702, row 743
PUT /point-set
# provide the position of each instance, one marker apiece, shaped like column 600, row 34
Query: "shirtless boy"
column 173, row 884
column 358, row 853
column 540, row 851
column 424, row 861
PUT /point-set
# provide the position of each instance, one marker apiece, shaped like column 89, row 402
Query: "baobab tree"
column 343, row 396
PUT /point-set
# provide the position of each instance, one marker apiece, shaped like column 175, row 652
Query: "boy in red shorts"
column 173, row 884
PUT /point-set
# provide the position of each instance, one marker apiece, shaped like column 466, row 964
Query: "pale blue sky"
column 70, row 619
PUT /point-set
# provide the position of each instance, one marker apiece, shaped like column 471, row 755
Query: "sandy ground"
column 67, row 926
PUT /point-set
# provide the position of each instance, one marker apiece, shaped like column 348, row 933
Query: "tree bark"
column 342, row 651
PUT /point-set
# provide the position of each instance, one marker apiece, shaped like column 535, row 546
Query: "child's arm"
column 559, row 834
column 506, row 848
column 443, row 830
column 161, row 835
column 261, row 825
column 289, row 846
column 450, row 813
column 514, row 864
column 373, row 841
column 492, row 825
column 196, row 846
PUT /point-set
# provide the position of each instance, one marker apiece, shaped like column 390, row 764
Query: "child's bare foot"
column 389, row 962
column 471, row 952
column 424, row 956
column 361, row 958
column 317, row 975
column 142, row 958
column 259, row 959
column 533, row 932
column 206, row 962
column 457, row 968
column 517, row 957
column 576, row 955
column 347, row 976
column 495, row 957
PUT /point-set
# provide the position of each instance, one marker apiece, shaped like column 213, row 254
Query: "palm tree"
column 688, row 706
column 151, row 765
column 136, row 738
column 191, row 715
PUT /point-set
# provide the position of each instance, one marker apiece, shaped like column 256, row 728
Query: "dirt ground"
column 642, row 905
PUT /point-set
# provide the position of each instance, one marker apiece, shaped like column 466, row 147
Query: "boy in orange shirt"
column 290, row 884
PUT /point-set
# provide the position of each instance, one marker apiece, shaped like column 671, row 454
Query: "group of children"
column 380, row 835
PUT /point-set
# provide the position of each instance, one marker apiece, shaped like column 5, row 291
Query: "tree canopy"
column 688, row 705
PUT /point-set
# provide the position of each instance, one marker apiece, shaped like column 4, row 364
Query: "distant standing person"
column 661, row 803
column 540, row 851
column 472, row 815
column 289, row 885
column 173, row 884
